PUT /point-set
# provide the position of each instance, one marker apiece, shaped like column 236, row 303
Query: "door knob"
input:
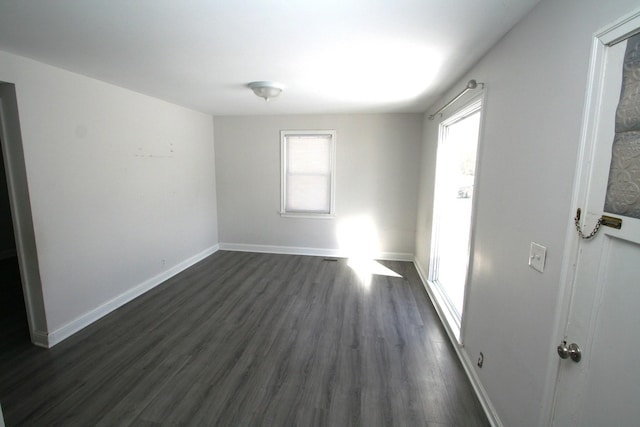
column 569, row 351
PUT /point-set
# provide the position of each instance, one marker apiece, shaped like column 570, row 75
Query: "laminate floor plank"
column 249, row 339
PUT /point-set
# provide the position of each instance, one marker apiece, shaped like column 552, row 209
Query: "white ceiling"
column 333, row 56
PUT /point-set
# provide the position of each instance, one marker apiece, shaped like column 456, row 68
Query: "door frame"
column 20, row 204
column 619, row 30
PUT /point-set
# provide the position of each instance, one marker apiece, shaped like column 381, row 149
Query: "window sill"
column 307, row 215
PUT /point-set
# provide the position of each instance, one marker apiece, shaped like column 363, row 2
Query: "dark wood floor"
column 244, row 339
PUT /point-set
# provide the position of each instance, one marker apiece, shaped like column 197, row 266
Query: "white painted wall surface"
column 376, row 182
column 122, row 185
column 536, row 81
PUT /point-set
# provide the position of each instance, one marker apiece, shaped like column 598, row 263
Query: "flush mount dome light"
column 266, row 90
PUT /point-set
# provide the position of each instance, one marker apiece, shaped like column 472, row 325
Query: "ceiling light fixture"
column 265, row 89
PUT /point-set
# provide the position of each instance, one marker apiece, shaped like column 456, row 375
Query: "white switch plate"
column 537, row 256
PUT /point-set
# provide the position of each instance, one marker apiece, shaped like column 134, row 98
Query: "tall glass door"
column 454, row 192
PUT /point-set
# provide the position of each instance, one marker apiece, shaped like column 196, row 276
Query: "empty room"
column 325, row 213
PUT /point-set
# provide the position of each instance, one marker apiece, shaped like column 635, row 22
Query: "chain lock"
column 595, row 229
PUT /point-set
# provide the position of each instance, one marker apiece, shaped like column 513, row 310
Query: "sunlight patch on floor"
column 370, row 267
column 366, row 268
column 359, row 241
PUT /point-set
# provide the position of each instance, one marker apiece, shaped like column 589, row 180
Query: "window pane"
column 623, row 189
column 308, row 193
column 308, row 154
column 308, row 172
column 455, row 178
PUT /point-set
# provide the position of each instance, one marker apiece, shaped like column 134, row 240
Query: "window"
column 452, row 212
column 308, row 173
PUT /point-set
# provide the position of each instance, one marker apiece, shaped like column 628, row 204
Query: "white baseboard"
column 296, row 250
column 467, row 364
column 55, row 337
column 40, row 339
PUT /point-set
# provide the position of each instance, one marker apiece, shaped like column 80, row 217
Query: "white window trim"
column 283, row 175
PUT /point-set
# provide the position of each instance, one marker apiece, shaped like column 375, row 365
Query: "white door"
column 603, row 313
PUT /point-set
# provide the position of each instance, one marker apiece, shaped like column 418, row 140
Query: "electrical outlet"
column 537, row 256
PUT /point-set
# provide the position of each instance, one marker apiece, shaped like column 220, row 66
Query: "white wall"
column 536, row 81
column 122, row 187
column 376, row 183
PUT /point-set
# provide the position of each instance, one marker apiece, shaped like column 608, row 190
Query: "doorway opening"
column 14, row 324
column 26, row 287
column 453, row 209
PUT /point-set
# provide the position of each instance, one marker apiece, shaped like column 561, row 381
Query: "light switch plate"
column 537, row 256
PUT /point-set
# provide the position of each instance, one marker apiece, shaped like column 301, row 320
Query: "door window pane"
column 623, row 189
